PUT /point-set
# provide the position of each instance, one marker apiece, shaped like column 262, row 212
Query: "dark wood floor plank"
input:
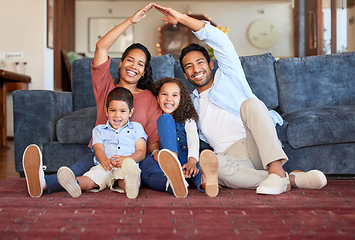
column 7, row 162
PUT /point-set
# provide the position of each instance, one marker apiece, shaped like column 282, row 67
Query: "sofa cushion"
column 320, row 126
column 163, row 66
column 260, row 74
column 316, row 81
column 56, row 155
column 282, row 131
column 81, row 85
column 76, row 127
column 83, row 94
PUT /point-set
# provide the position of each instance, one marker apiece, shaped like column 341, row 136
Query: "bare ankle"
column 86, row 183
column 292, row 180
column 121, row 184
column 276, row 168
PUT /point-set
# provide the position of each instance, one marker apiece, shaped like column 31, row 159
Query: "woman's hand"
column 155, row 155
column 190, row 169
column 104, row 44
column 140, row 14
column 171, row 16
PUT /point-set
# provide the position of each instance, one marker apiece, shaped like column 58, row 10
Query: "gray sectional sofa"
column 315, row 96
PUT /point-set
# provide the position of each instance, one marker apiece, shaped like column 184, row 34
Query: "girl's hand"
column 190, row 169
column 107, row 165
column 171, row 16
column 140, row 14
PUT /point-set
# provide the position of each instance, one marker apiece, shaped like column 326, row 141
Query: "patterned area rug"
column 235, row 214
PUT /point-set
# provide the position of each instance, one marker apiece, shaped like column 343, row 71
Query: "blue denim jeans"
column 152, row 176
column 79, row 168
column 172, row 136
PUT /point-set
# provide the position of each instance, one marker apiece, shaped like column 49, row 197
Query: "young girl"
column 179, row 141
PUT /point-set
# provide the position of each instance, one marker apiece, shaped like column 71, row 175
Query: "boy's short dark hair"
column 193, row 47
column 120, row 94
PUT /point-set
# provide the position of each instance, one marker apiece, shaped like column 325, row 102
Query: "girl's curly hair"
column 186, row 109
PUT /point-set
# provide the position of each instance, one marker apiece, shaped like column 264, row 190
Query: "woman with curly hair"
column 179, row 141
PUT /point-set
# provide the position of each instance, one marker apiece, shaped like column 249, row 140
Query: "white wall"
column 341, row 29
column 23, row 29
column 236, row 15
column 351, row 29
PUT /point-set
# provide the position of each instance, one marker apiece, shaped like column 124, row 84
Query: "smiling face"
column 169, row 97
column 198, row 71
column 132, row 67
column 118, row 113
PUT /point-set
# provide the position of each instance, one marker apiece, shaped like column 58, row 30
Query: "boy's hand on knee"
column 107, row 165
column 118, row 160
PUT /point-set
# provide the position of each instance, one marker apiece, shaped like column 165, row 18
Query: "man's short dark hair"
column 120, row 94
column 193, row 47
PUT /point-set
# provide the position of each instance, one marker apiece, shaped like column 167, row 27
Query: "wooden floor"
column 7, row 162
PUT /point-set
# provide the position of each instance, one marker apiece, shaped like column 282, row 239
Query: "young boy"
column 118, row 146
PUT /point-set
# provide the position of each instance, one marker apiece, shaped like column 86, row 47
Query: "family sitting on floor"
column 150, row 132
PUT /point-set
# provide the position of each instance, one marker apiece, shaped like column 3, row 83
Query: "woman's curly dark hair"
column 186, row 109
column 145, row 82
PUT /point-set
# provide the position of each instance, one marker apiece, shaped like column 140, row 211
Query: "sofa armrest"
column 35, row 115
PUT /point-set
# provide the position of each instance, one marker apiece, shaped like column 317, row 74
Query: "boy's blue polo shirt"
column 118, row 142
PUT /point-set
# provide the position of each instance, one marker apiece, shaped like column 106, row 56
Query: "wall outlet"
column 14, row 55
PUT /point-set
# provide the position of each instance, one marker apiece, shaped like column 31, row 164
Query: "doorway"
column 320, row 27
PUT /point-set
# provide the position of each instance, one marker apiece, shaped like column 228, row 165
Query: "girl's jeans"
column 172, row 136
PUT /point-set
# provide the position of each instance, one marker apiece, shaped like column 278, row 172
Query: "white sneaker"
column 313, row 179
column 171, row 167
column 67, row 180
column 33, row 169
column 274, row 184
column 131, row 176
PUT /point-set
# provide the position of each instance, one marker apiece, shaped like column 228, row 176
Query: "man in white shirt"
column 233, row 121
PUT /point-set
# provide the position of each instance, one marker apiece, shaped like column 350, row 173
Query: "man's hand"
column 174, row 17
column 171, row 16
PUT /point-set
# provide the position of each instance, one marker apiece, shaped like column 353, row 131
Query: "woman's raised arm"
column 104, row 44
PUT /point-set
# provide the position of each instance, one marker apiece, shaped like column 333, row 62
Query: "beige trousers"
column 244, row 163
